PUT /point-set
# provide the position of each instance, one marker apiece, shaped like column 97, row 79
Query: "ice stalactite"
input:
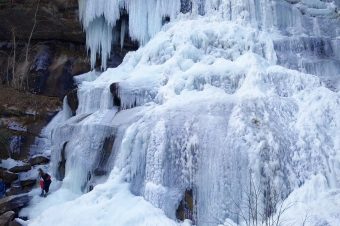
column 99, row 40
column 123, row 31
column 99, row 19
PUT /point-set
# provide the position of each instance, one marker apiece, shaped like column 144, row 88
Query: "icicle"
column 122, row 33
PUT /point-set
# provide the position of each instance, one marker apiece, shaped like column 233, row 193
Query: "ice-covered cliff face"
column 204, row 112
column 307, row 30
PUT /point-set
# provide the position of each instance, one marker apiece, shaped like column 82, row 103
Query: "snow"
column 111, row 200
column 315, row 203
column 10, row 163
column 16, row 127
column 203, row 107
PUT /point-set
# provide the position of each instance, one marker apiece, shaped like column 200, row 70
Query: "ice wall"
column 300, row 25
column 201, row 107
column 205, row 107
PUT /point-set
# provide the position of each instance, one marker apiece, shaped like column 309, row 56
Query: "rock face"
column 56, row 52
column 28, row 183
column 6, row 218
column 19, row 169
column 13, row 203
column 17, row 189
column 37, row 160
column 55, row 55
column 8, row 177
column 58, row 19
column 22, row 115
column 186, row 207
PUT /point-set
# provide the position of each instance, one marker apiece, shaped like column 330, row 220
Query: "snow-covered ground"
column 109, row 204
column 10, row 163
column 203, row 107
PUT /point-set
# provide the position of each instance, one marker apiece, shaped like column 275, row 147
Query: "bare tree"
column 26, row 63
column 6, row 70
column 260, row 205
column 14, row 80
column 32, row 31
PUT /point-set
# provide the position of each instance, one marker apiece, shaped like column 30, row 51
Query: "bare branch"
column 32, row 31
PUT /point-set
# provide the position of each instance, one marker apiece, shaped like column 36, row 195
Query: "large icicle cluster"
column 99, row 18
column 145, row 18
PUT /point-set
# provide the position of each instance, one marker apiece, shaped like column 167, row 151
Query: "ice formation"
column 231, row 96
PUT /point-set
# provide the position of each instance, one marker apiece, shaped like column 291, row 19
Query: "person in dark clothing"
column 47, row 182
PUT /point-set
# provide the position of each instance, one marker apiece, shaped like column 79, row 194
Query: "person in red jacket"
column 41, row 182
column 46, row 182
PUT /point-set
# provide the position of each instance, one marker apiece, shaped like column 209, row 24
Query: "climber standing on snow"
column 45, row 182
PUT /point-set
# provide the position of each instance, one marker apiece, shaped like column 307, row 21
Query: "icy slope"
column 201, row 107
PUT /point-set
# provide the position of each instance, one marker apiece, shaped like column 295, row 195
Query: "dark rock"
column 4, row 141
column 19, row 169
column 14, row 203
column 106, row 153
column 40, row 67
column 58, row 19
column 186, row 6
column 20, row 187
column 114, row 88
column 28, row 183
column 62, row 164
column 8, row 177
column 6, row 218
column 186, row 207
column 3, row 151
column 17, row 191
column 53, row 66
column 17, row 107
column 72, row 100
column 39, row 160
column 99, row 172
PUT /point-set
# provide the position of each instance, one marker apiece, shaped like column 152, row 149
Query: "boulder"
column 18, row 190
column 186, row 207
column 21, row 187
column 19, row 169
column 114, row 88
column 15, row 189
column 14, row 203
column 39, row 160
column 72, row 100
column 7, row 176
column 6, row 218
column 28, row 183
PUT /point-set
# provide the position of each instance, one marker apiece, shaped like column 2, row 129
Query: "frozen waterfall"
column 229, row 98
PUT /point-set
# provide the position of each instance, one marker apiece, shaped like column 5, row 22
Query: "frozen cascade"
column 203, row 107
column 42, row 144
column 290, row 18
